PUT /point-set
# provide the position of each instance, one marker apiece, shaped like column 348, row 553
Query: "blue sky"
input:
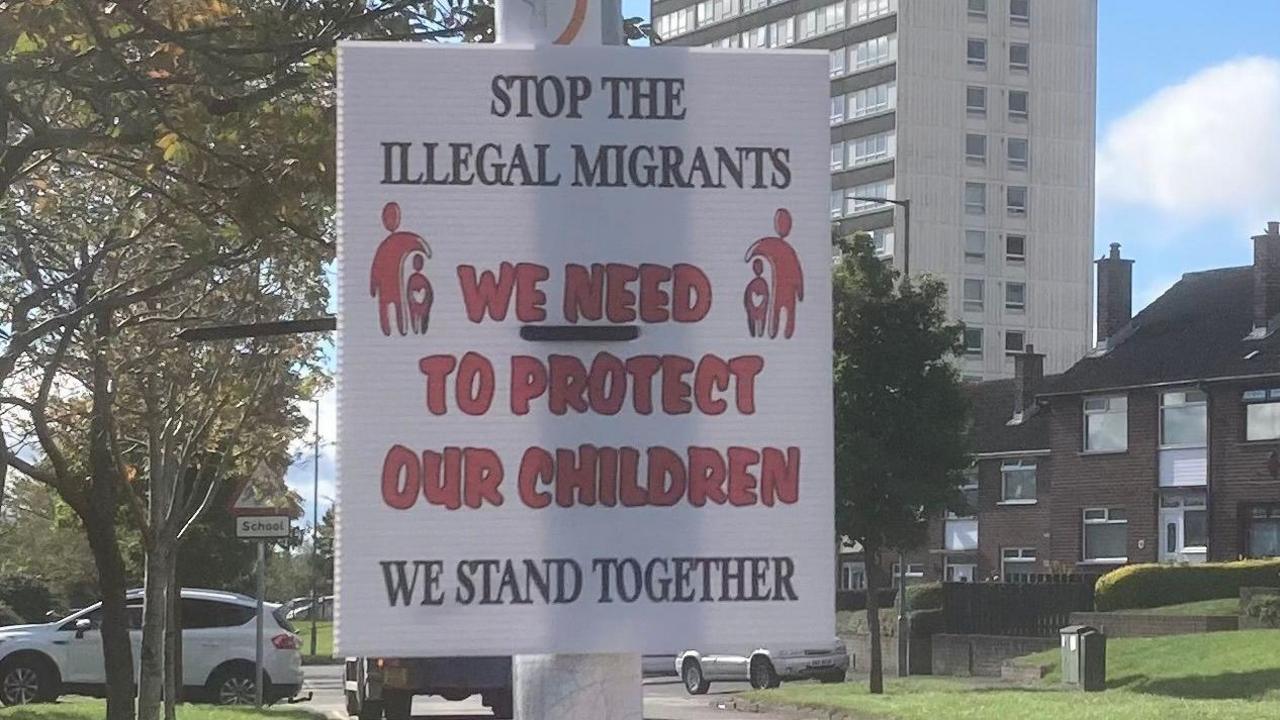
column 1188, row 138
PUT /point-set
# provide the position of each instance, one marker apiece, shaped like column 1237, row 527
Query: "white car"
column 40, row 662
column 763, row 667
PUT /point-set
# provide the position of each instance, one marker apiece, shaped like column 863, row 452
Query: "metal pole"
column 906, row 237
column 257, row 650
column 904, row 659
column 315, row 523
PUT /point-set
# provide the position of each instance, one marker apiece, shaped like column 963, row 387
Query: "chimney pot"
column 1266, row 275
column 1115, row 294
column 1028, row 372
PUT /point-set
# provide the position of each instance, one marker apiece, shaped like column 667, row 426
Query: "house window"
column 875, row 51
column 872, row 100
column 1015, row 296
column 914, row 570
column 1019, row 105
column 1017, row 563
column 1262, row 415
column 1019, row 57
column 1106, row 535
column 1016, row 195
column 1106, row 422
column 867, row 9
column 882, row 239
column 978, row 8
column 975, row 100
column 1184, row 419
column 782, row 33
column 756, row 37
column 973, row 294
column 837, row 109
column 831, row 18
column 973, row 341
column 837, row 156
column 872, row 148
column 1262, row 530
column 975, row 148
column 853, row 576
column 975, row 198
column 1015, row 342
column 1019, row 153
column 1020, row 11
column 1015, row 248
column 968, row 495
column 975, row 245
column 1018, row 481
column 807, row 25
column 876, row 190
column 837, row 203
column 977, row 53
column 837, row 58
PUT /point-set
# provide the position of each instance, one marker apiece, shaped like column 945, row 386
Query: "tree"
column 901, row 416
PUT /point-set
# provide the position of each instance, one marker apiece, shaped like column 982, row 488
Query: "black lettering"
column 466, row 593
column 783, row 570
column 499, row 96
column 399, row 587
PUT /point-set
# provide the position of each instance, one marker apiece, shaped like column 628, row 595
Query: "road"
column 663, row 700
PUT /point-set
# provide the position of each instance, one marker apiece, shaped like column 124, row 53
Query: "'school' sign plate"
column 507, row 491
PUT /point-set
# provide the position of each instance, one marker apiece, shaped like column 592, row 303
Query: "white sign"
column 262, row 527
column 502, row 495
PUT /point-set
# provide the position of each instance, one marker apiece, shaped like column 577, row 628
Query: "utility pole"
column 315, row 521
column 906, row 226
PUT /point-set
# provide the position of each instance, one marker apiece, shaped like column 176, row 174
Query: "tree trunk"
column 117, row 654
column 872, row 560
column 152, row 681
column 172, row 642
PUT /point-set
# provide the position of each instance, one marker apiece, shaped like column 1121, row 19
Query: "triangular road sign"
column 263, row 492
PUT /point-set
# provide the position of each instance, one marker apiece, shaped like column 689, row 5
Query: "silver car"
column 763, row 667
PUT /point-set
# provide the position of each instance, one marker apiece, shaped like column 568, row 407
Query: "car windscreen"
column 279, row 615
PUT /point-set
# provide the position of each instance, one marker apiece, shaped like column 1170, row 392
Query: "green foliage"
column 901, row 416
column 1266, row 608
column 925, row 596
column 9, row 617
column 28, row 596
column 1145, row 586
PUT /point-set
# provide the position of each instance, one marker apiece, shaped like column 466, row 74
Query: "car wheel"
column 831, row 678
column 26, row 680
column 763, row 676
column 234, row 685
column 694, row 681
column 397, row 705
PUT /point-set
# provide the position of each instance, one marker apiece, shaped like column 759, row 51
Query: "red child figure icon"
column 756, row 300
column 420, row 297
column 387, row 278
column 787, row 285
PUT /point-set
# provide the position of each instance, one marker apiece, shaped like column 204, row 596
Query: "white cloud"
column 1209, row 146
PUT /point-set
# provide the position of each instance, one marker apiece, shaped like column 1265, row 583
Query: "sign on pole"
column 584, row 366
column 262, row 527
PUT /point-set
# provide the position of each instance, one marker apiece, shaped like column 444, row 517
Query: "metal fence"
column 1029, row 609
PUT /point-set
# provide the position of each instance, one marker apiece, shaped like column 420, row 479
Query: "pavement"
column 664, row 699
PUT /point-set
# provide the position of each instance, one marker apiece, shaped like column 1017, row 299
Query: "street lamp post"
column 315, row 522
column 906, row 225
column 904, row 623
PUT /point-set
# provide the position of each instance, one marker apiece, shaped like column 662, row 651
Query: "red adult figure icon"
column 389, row 277
column 756, row 300
column 786, row 287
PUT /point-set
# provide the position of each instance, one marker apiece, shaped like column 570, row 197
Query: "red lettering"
column 620, row 302
column 653, row 299
column 484, row 475
column 400, row 478
column 664, row 464
column 675, row 389
column 530, row 301
column 691, row 292
column 780, row 477
column 706, row 477
column 607, row 460
column 442, row 485
column 745, row 369
column 568, row 384
column 437, row 368
column 576, row 475
column 583, row 292
column 489, row 295
column 642, row 369
column 475, row 384
column 535, row 467
column 528, row 381
column 607, row 370
column 628, row 476
column 713, row 373
column 741, row 482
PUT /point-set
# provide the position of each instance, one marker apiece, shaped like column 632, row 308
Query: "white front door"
column 1183, row 534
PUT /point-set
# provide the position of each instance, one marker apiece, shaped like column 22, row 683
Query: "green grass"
column 1215, row 676
column 1221, row 606
column 83, row 709
column 324, row 642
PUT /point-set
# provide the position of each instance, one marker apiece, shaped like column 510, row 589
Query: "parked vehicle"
column 378, row 687
column 763, row 667
column 658, row 666
column 302, row 610
column 38, row 663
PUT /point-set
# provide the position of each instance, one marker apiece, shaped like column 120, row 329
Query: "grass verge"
column 1216, row 676
column 1221, row 606
column 86, row 709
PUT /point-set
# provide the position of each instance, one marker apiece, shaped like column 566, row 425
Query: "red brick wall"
column 1121, row 480
column 1009, row 526
column 1238, row 471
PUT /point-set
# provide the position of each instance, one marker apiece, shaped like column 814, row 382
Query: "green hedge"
column 8, row 616
column 1146, row 586
column 925, row 596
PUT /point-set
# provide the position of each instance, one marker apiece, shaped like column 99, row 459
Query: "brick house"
column 1161, row 445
